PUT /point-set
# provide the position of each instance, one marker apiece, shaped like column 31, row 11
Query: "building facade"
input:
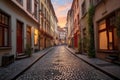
column 84, row 29
column 62, row 35
column 54, row 25
column 106, row 39
column 18, row 26
column 48, row 22
column 106, row 32
column 76, row 29
column 69, row 25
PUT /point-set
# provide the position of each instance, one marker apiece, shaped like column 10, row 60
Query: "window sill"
column 108, row 51
column 5, row 48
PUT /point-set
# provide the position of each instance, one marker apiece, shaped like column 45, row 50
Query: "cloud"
column 62, row 21
column 61, row 8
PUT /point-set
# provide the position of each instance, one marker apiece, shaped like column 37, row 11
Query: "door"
column 19, row 37
column 29, row 35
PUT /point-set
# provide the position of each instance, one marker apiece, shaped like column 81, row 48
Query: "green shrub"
column 28, row 50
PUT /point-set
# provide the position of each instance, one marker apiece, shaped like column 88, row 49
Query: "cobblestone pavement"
column 10, row 71
column 59, row 64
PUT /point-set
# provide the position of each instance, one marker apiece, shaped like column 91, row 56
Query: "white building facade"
column 18, row 26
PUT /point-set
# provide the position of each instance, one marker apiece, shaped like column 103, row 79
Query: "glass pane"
column 103, row 40
column 5, row 37
column 6, row 20
column 1, row 37
column 110, row 37
column 36, row 37
column 102, row 25
column 3, row 20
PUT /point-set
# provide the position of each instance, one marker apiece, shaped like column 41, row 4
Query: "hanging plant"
column 91, row 48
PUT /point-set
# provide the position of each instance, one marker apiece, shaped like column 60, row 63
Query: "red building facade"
column 76, row 26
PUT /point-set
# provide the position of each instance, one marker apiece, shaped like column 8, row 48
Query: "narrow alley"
column 60, row 64
column 59, row 39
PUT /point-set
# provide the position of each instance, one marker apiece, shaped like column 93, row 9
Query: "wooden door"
column 19, row 37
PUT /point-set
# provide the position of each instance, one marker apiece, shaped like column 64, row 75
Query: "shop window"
column 107, row 34
column 102, row 25
column 103, row 35
column 103, row 40
column 35, row 37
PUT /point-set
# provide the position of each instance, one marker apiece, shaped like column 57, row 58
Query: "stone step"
column 21, row 56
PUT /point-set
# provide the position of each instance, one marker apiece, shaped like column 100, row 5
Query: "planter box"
column 7, row 59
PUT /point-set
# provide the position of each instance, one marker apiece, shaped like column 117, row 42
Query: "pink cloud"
column 61, row 13
column 62, row 21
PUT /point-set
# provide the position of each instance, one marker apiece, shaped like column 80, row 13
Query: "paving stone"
column 59, row 64
column 9, row 72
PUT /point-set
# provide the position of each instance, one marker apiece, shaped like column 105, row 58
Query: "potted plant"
column 28, row 50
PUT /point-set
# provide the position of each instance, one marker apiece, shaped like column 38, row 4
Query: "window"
column 41, row 7
column 29, row 35
column 102, row 35
column 83, row 8
column 42, row 22
column 107, row 34
column 35, row 8
column 35, row 36
column 20, row 1
column 4, row 30
column 91, row 2
column 97, row 2
column 29, row 5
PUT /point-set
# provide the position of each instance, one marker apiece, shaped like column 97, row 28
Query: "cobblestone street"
column 60, row 64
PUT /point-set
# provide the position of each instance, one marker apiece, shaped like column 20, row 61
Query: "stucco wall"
column 17, row 14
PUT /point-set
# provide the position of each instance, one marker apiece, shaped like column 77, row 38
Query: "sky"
column 61, row 8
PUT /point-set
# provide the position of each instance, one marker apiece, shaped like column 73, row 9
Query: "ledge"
column 5, row 48
column 108, row 51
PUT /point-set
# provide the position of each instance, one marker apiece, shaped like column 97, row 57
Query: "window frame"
column 20, row 2
column 5, row 26
column 35, row 8
column 83, row 8
column 29, row 5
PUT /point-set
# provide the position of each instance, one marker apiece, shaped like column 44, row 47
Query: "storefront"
column 108, row 43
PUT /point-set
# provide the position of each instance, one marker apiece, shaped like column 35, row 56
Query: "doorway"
column 19, row 37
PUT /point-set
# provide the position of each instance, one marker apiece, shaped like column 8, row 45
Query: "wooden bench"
column 7, row 59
